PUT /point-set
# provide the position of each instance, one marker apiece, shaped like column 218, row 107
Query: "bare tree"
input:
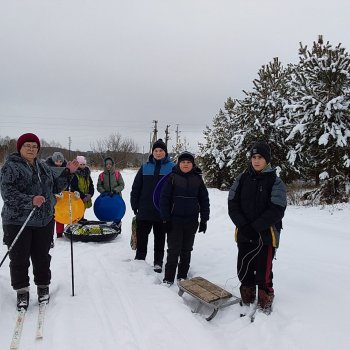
column 121, row 150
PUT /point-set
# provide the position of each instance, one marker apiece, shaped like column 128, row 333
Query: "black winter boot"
column 22, row 300
column 43, row 294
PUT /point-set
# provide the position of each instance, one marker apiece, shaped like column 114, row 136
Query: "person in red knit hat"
column 27, row 183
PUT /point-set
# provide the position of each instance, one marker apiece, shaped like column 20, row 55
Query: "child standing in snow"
column 57, row 164
column 110, row 181
column 184, row 196
column 256, row 204
column 82, row 182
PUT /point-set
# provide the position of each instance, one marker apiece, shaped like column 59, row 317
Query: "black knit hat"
column 185, row 156
column 262, row 148
column 160, row 144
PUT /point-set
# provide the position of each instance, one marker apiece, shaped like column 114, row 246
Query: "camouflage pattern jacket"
column 20, row 182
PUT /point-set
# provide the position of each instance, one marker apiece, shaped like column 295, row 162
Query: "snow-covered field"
column 119, row 303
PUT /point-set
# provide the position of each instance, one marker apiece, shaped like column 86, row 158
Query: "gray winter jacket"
column 20, row 182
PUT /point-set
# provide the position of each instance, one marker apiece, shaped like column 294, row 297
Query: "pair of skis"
column 16, row 338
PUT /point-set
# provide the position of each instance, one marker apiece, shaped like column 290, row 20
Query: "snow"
column 119, row 303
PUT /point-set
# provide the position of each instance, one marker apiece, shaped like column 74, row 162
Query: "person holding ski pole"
column 256, row 205
column 27, row 183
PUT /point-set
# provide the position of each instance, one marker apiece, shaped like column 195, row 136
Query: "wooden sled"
column 208, row 294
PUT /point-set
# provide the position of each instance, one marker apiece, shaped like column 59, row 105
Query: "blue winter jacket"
column 146, row 179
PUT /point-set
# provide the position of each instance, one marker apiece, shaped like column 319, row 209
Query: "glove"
column 72, row 166
column 135, row 211
column 104, row 194
column 87, row 198
column 59, row 195
column 167, row 226
column 248, row 232
column 76, row 194
column 202, row 226
column 38, row 201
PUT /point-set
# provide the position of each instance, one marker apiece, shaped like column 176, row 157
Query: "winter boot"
column 265, row 300
column 248, row 294
column 22, row 299
column 43, row 294
column 157, row 268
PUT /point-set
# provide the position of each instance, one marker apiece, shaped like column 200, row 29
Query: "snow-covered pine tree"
column 321, row 119
column 261, row 116
column 213, row 156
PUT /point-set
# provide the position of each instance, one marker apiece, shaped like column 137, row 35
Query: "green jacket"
column 110, row 181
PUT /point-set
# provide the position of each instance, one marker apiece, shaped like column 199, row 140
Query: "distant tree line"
column 303, row 112
column 123, row 150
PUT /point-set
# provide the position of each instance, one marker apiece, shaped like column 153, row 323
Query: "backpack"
column 102, row 175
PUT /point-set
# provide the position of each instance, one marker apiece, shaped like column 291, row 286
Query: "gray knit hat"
column 57, row 156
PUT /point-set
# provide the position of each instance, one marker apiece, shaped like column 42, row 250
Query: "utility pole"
column 177, row 134
column 155, row 135
column 69, row 144
column 167, row 137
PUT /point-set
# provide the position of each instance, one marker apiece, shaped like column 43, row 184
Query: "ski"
column 40, row 322
column 16, row 338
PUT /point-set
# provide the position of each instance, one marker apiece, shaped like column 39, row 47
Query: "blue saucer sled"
column 109, row 211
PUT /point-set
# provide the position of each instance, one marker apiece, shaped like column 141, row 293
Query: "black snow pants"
column 180, row 241
column 254, row 265
column 34, row 243
column 143, row 229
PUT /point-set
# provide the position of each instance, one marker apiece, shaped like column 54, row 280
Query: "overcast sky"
column 89, row 68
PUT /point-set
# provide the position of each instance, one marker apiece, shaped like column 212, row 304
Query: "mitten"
column 76, row 194
column 202, row 226
column 248, row 232
column 87, row 198
column 59, row 195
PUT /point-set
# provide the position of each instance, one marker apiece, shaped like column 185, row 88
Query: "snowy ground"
column 119, row 303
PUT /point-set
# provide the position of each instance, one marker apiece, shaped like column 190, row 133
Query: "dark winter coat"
column 256, row 204
column 20, row 182
column 184, row 196
column 146, row 179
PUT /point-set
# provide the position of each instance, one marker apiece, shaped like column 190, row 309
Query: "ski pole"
column 71, row 237
column 18, row 234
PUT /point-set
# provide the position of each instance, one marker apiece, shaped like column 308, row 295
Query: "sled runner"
column 68, row 203
column 207, row 293
column 93, row 231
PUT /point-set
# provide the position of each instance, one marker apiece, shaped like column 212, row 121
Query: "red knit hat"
column 27, row 138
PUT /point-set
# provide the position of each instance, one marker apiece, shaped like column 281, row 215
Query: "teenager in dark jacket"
column 81, row 183
column 27, row 183
column 57, row 164
column 183, row 198
column 141, row 198
column 256, row 204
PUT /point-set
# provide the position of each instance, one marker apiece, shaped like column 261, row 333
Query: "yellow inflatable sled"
column 62, row 208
